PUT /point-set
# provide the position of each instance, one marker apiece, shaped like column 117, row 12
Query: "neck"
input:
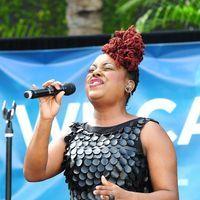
column 110, row 115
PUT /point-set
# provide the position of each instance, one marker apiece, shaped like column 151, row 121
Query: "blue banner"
column 168, row 91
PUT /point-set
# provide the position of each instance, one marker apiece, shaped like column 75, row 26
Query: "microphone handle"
column 49, row 91
column 68, row 88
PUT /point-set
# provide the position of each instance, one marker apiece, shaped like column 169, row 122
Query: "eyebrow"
column 93, row 65
column 103, row 64
column 107, row 63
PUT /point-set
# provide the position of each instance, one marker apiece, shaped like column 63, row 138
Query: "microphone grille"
column 69, row 88
column 28, row 94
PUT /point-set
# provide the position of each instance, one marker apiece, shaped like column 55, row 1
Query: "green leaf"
column 128, row 6
column 141, row 22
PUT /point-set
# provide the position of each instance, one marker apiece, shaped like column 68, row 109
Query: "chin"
column 94, row 95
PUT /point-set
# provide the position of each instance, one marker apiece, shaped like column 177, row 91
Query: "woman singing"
column 115, row 155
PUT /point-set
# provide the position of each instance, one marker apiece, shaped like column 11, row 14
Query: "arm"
column 162, row 165
column 43, row 160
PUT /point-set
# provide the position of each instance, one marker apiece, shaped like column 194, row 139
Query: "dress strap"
column 141, row 121
column 150, row 119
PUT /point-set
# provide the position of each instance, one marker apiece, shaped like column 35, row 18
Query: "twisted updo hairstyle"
column 126, row 47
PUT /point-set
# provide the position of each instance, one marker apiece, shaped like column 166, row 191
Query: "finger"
column 105, row 182
column 104, row 197
column 45, row 99
column 102, row 192
column 34, row 87
column 57, row 84
column 59, row 97
column 48, row 83
column 103, row 187
column 107, row 198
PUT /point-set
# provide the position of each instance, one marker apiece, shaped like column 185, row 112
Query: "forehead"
column 104, row 58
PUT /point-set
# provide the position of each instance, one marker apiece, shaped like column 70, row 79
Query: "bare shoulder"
column 153, row 136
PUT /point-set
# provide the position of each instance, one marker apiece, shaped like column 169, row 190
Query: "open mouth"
column 95, row 82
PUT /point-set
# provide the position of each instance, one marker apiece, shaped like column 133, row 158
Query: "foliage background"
column 159, row 15
column 30, row 18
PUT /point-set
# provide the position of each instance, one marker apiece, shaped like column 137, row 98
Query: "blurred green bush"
column 30, row 18
column 154, row 15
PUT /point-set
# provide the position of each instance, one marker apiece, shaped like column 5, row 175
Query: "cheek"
column 86, row 85
column 116, row 84
column 118, row 79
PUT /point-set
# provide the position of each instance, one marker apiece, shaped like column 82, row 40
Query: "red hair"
column 126, row 48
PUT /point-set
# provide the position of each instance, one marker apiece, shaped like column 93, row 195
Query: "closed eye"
column 92, row 68
column 108, row 66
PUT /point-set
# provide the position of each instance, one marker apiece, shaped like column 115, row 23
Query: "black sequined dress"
column 115, row 152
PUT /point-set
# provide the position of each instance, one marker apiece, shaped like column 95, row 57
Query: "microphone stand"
column 8, row 115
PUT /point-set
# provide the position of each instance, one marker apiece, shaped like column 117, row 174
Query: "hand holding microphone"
column 50, row 97
column 68, row 88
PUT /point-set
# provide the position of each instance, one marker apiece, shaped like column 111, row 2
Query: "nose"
column 97, row 72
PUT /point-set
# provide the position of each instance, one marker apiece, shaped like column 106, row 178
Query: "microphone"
column 68, row 88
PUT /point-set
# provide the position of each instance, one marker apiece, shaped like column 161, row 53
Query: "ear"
column 130, row 84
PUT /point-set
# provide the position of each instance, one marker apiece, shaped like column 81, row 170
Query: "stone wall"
column 84, row 17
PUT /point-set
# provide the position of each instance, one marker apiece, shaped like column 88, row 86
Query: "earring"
column 128, row 89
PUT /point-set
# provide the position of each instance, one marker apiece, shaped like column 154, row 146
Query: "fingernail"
column 33, row 86
column 94, row 192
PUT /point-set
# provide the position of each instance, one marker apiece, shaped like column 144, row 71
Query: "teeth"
column 95, row 83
